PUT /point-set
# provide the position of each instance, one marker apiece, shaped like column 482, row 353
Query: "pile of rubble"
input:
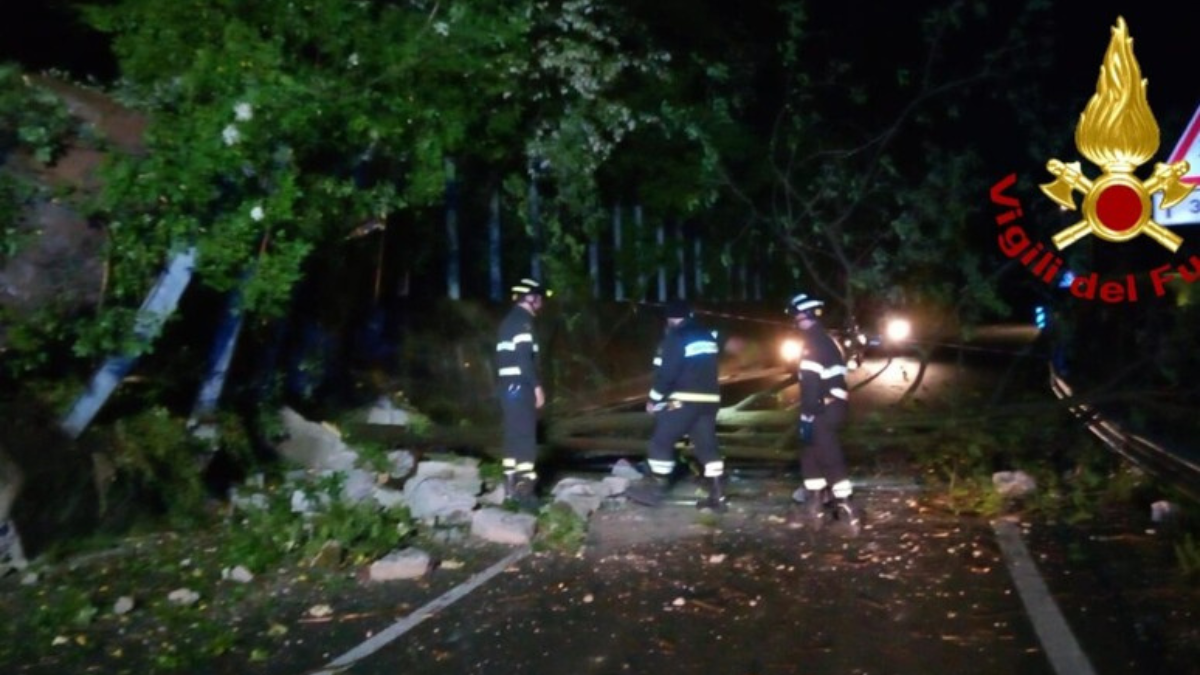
column 445, row 494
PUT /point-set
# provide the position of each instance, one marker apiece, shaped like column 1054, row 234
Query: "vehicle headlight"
column 790, row 349
column 898, row 330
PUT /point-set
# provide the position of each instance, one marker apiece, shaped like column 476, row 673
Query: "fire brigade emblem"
column 1118, row 133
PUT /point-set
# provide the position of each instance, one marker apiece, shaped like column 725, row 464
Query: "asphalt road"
column 751, row 591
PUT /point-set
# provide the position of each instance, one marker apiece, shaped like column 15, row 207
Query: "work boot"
column 649, row 491
column 520, row 491
column 848, row 516
column 816, row 505
column 715, row 499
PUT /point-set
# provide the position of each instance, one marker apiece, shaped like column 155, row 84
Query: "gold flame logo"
column 1118, row 133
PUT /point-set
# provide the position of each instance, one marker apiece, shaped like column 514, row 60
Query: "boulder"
column 313, row 445
column 409, row 563
column 504, row 527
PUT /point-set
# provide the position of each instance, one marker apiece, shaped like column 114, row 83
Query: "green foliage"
column 1187, row 556
column 31, row 118
column 155, row 454
column 265, row 532
column 66, row 621
column 277, row 128
column 14, row 194
column 33, row 339
column 1075, row 475
column 366, row 530
column 234, row 439
column 34, row 122
column 372, row 455
column 560, row 529
column 1122, row 484
column 47, row 614
column 708, row 519
column 491, row 472
column 962, row 461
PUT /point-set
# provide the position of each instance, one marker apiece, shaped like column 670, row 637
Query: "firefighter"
column 520, row 392
column 684, row 400
column 824, row 401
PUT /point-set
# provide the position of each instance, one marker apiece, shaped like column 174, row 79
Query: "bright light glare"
column 790, row 350
column 898, row 330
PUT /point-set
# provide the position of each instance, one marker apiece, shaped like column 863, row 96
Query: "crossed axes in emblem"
column 1070, row 177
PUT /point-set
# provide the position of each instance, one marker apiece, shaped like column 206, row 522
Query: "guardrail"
column 1151, row 457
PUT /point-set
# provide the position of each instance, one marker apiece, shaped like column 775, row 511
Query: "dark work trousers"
column 823, row 457
column 519, row 410
column 697, row 420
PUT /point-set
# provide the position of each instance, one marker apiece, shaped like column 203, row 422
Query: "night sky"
column 1075, row 32
column 1163, row 42
column 41, row 34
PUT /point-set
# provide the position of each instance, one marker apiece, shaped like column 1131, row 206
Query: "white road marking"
column 394, row 631
column 1066, row 657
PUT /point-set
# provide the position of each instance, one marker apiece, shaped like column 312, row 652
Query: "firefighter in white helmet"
column 824, row 402
column 520, row 392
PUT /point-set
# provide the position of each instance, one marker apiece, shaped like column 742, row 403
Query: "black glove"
column 806, row 429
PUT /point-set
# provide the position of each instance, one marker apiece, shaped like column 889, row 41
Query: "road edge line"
column 394, row 631
column 1059, row 643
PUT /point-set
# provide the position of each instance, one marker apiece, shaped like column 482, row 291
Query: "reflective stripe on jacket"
column 822, row 371
column 516, row 349
column 686, row 365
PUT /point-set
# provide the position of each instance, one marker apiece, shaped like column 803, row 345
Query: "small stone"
column 239, row 574
column 320, row 611
column 123, row 605
column 622, row 468
column 1161, row 511
column 329, row 557
column 183, row 596
column 409, row 563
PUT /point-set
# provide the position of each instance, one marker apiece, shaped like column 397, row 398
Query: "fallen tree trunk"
column 594, row 448
column 642, row 423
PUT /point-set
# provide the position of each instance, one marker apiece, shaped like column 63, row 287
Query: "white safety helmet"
column 529, row 287
column 803, row 303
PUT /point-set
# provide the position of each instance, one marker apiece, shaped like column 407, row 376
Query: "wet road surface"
column 755, row 590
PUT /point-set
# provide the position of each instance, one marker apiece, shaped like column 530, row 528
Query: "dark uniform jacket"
column 685, row 367
column 516, row 350
column 822, row 371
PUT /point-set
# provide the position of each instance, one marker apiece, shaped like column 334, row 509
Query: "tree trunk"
column 453, row 253
column 495, row 250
